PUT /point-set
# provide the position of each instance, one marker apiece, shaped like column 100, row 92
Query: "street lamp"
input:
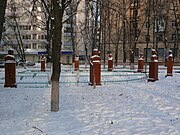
column 147, row 34
column 166, row 53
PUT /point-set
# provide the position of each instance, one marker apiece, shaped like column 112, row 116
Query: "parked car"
column 2, row 64
column 20, row 63
column 27, row 63
column 30, row 63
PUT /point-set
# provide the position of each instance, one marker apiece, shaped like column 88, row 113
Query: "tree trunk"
column 2, row 14
column 56, row 52
column 55, row 96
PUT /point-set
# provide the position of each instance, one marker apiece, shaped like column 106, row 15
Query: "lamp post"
column 175, row 41
column 135, row 32
column 147, row 34
column 135, row 20
column 166, row 54
column 157, row 34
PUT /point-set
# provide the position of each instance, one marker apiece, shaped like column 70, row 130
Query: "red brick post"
column 153, row 67
column 10, row 70
column 170, row 64
column 110, row 62
column 43, row 64
column 141, row 63
column 76, row 63
column 95, row 68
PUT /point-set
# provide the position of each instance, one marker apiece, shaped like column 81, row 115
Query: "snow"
column 121, row 108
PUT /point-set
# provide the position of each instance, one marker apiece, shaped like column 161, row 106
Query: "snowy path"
column 137, row 108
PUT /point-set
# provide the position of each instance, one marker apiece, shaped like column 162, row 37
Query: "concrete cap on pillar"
column 95, row 52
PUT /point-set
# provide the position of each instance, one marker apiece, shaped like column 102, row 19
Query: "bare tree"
column 59, row 8
column 2, row 15
column 176, row 11
column 13, row 24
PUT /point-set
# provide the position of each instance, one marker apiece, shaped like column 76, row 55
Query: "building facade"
column 26, row 31
column 136, row 25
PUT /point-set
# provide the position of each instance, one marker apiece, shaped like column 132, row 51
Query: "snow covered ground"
column 114, row 108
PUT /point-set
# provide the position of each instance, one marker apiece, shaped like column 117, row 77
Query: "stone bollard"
column 110, row 62
column 170, row 64
column 153, row 67
column 95, row 68
column 43, row 64
column 76, row 63
column 10, row 70
column 141, row 63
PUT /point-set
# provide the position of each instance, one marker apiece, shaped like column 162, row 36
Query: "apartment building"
column 25, row 30
column 128, row 27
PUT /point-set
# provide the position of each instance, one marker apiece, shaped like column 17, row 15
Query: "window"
column 67, row 46
column 68, row 59
column 25, row 27
column 41, row 46
column 34, row 46
column 174, row 51
column 28, row 46
column 148, row 52
column 34, row 27
column 41, row 36
column 26, row 36
column 21, row 27
column 160, row 52
column 68, row 30
column 34, row 36
column 82, row 57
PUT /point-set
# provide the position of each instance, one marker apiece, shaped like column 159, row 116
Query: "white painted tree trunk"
column 54, row 96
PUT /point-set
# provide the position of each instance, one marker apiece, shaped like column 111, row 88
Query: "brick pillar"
column 10, row 70
column 76, row 63
column 170, row 64
column 110, row 62
column 141, row 63
column 43, row 64
column 95, row 68
column 153, row 67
